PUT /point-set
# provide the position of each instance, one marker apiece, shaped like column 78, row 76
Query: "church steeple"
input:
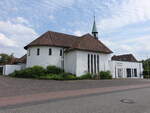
column 94, row 29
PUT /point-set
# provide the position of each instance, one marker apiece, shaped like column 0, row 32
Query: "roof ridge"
column 125, row 54
column 63, row 33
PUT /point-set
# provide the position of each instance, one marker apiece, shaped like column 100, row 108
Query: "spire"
column 94, row 29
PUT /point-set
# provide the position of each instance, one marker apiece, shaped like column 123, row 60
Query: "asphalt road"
column 128, row 101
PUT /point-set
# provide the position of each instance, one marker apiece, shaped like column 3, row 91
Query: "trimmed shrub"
column 52, row 77
column 54, row 70
column 70, row 77
column 58, row 77
column 33, row 72
column 146, row 74
column 86, row 76
column 105, row 75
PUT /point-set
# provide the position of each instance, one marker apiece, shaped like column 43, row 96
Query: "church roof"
column 125, row 57
column 86, row 42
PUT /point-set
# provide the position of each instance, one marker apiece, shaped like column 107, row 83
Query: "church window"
column 38, row 51
column 50, row 51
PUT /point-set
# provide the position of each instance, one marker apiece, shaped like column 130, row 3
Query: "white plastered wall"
column 44, row 59
column 115, row 65
column 7, row 69
column 82, row 62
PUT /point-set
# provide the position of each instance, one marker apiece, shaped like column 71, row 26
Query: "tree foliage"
column 4, row 58
column 146, row 66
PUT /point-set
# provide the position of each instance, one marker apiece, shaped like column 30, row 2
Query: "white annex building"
column 78, row 55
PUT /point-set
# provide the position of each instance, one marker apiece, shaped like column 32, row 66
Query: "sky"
column 123, row 25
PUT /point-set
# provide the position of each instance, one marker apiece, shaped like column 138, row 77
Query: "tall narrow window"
column 61, row 52
column 29, row 52
column 91, row 63
column 38, row 51
column 98, row 63
column 135, row 72
column 95, row 64
column 50, row 51
column 129, row 72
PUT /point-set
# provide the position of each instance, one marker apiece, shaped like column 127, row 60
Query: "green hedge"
column 105, row 75
column 33, row 72
column 54, row 70
column 51, row 72
column 52, row 77
column 86, row 76
column 58, row 77
column 55, row 73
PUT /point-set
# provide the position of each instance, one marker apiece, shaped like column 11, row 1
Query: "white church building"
column 79, row 55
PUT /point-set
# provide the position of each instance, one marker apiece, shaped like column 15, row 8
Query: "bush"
column 146, row 74
column 58, row 77
column 105, row 75
column 33, row 72
column 52, row 77
column 54, row 70
column 70, row 77
column 86, row 76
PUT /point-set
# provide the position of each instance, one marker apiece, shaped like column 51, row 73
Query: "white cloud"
column 78, row 33
column 20, row 20
column 51, row 17
column 125, row 13
column 17, row 32
column 15, row 35
column 137, row 45
column 5, row 41
column 57, row 4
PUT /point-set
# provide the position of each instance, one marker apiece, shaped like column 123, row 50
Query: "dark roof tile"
column 125, row 57
column 86, row 42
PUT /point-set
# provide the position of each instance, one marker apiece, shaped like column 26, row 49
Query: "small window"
column 50, row 51
column 61, row 52
column 29, row 52
column 129, row 72
column 135, row 72
column 38, row 51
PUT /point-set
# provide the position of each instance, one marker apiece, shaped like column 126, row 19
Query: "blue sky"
column 123, row 25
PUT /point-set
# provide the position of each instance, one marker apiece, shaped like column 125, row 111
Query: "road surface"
column 125, row 101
